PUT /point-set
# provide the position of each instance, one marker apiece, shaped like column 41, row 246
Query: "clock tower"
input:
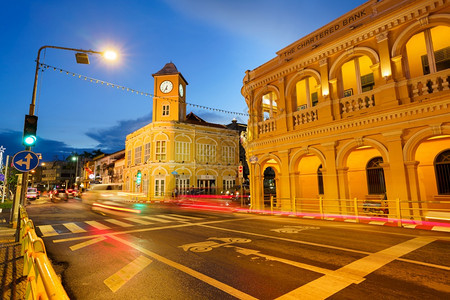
column 169, row 102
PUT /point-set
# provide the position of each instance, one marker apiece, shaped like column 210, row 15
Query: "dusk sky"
column 211, row 42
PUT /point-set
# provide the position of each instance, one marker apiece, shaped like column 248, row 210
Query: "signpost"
column 25, row 161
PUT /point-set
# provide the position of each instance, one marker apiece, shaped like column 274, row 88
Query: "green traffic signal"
column 138, row 177
column 29, row 140
column 29, row 131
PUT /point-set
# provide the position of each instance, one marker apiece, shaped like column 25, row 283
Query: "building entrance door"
column 206, row 186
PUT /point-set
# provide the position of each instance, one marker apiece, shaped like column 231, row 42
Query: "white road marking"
column 328, row 285
column 87, row 243
column 377, row 223
column 97, row 225
column 117, row 280
column 211, row 281
column 156, row 219
column 117, row 222
column 74, row 227
column 47, row 230
column 138, row 220
column 171, row 218
column 441, row 228
column 187, row 217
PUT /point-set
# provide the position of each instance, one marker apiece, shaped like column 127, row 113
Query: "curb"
column 423, row 225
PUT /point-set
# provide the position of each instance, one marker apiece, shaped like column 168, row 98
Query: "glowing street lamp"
column 75, row 158
column 29, row 140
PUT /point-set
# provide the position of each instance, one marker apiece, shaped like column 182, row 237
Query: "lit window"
column 269, row 106
column 357, row 77
column 442, row 169
column 429, row 51
column 160, row 150
column 306, row 93
column 159, row 187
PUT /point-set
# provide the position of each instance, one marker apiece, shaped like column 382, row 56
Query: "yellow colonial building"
column 179, row 153
column 356, row 115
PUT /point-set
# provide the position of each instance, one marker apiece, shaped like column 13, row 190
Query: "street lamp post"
column 80, row 59
column 76, row 169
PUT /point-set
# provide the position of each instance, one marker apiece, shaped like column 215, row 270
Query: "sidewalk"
column 13, row 284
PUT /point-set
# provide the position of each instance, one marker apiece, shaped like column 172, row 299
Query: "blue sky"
column 212, row 43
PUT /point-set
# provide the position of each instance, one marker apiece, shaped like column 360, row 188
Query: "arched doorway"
column 270, row 188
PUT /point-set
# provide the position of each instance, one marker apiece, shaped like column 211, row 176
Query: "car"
column 72, row 193
column 32, row 194
column 59, row 195
column 110, row 197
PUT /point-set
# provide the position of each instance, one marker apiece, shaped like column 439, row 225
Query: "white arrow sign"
column 28, row 158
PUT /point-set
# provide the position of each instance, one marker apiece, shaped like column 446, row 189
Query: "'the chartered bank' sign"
column 327, row 31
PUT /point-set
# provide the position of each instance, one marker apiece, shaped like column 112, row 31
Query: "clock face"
column 166, row 86
column 181, row 90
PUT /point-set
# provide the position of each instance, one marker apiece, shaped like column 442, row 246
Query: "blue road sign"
column 2, row 177
column 25, row 161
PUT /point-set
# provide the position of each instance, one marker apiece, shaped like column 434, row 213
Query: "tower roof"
column 169, row 69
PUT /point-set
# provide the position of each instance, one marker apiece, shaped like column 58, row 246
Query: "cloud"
column 49, row 149
column 113, row 138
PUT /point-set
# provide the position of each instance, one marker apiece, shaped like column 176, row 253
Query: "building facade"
column 358, row 110
column 179, row 153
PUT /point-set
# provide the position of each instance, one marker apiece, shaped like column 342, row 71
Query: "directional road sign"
column 25, row 161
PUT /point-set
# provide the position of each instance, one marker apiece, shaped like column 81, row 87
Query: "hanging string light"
column 124, row 88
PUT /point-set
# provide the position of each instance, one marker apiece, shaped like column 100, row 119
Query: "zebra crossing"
column 108, row 224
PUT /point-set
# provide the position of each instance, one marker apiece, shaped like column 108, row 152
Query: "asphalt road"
column 172, row 253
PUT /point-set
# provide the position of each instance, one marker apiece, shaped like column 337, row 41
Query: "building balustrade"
column 429, row 84
column 267, row 126
column 305, row 116
column 357, row 102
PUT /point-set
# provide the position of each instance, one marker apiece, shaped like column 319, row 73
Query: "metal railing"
column 394, row 210
column 42, row 281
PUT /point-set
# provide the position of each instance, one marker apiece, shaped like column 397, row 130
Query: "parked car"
column 32, row 194
column 59, row 195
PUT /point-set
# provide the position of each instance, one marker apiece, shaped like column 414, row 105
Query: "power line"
column 127, row 89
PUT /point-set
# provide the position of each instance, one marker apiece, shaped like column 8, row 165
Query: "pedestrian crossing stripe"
column 97, row 225
column 74, row 227
column 120, row 223
column 49, row 230
column 187, row 217
column 171, row 218
column 137, row 220
column 157, row 219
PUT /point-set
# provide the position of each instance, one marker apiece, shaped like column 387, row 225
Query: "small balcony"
column 305, row 115
column 357, row 103
column 267, row 126
column 423, row 86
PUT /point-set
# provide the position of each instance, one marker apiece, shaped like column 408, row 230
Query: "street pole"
column 5, row 182
column 33, row 104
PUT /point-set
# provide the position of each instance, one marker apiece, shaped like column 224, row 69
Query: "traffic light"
column 138, row 177
column 29, row 131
